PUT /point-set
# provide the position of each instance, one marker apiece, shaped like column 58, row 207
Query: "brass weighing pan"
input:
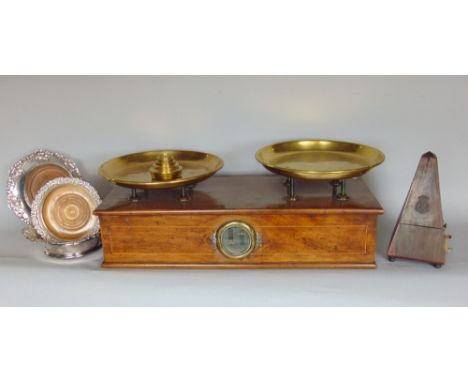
column 319, row 159
column 160, row 169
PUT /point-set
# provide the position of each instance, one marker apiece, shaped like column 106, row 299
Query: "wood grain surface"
column 159, row 231
column 419, row 231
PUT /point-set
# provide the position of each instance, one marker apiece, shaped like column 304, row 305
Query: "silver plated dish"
column 62, row 211
column 31, row 234
column 73, row 250
column 30, row 173
column 67, row 250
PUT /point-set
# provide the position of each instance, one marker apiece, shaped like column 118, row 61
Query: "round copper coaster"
column 68, row 212
column 39, row 176
column 63, row 211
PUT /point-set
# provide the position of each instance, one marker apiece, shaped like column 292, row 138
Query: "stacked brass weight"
column 165, row 168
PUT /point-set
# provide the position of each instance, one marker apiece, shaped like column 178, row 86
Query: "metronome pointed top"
column 429, row 155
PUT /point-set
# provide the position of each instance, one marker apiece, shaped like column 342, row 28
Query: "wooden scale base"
column 241, row 222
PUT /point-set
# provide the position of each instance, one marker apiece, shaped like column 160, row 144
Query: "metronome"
column 420, row 230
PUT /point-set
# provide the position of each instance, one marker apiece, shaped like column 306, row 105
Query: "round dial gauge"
column 236, row 239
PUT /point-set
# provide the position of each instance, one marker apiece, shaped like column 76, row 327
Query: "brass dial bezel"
column 236, row 223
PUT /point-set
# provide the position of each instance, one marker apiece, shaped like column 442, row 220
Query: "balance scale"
column 315, row 213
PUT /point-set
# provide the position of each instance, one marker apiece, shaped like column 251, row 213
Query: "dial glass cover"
column 236, row 239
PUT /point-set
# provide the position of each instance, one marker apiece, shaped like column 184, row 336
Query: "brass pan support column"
column 334, row 184
column 291, row 184
column 342, row 196
column 134, row 196
column 185, row 192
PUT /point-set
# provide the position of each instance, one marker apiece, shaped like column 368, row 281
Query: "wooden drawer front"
column 311, row 244
column 286, row 238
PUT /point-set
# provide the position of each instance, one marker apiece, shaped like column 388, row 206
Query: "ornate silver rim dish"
column 31, row 234
column 73, row 250
column 16, row 178
column 37, row 213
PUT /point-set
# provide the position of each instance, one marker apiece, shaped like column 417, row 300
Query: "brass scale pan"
column 303, row 159
column 319, row 159
column 334, row 161
column 161, row 169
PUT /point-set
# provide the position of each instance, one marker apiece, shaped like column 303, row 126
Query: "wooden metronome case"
column 420, row 230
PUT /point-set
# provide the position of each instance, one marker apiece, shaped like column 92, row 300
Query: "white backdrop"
column 94, row 118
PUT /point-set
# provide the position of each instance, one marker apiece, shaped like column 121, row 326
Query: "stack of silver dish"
column 45, row 191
